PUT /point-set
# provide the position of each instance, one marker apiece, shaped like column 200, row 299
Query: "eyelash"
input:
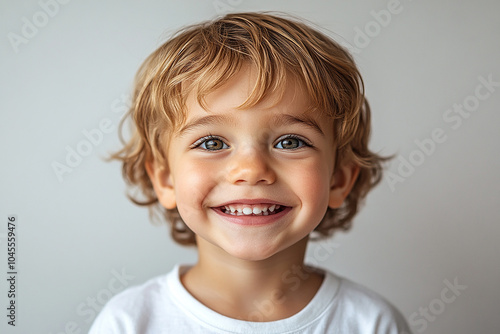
column 292, row 136
column 204, row 139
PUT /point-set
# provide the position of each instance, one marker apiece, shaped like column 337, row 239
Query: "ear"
column 342, row 182
column 162, row 181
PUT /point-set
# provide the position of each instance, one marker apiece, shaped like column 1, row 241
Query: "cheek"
column 192, row 183
column 313, row 187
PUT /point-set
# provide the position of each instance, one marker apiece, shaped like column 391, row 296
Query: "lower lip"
column 251, row 220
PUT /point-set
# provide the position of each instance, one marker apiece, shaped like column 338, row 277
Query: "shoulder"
column 139, row 296
column 125, row 312
column 361, row 296
column 367, row 310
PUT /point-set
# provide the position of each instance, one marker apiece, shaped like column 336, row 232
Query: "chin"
column 251, row 252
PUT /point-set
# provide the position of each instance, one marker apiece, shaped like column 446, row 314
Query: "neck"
column 241, row 288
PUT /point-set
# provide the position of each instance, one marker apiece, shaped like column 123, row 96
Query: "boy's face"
column 252, row 160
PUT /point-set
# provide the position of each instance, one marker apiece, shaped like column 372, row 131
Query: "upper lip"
column 252, row 201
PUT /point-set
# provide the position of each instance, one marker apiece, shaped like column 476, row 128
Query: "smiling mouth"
column 252, row 210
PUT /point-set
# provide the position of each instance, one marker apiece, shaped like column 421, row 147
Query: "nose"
column 251, row 167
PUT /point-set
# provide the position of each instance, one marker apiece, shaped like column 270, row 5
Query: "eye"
column 291, row 142
column 210, row 143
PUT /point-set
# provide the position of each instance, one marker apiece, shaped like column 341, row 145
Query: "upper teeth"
column 251, row 209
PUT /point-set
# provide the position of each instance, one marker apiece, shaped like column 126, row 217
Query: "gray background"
column 435, row 226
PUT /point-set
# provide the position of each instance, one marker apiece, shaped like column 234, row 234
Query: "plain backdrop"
column 67, row 69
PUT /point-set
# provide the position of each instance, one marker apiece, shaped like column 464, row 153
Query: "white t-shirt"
column 163, row 305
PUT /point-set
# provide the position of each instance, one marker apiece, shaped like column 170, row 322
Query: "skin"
column 242, row 266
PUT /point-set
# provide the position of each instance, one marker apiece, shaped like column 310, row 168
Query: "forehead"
column 227, row 106
column 244, row 90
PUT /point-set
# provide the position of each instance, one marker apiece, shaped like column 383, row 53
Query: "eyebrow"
column 276, row 121
column 205, row 120
column 286, row 119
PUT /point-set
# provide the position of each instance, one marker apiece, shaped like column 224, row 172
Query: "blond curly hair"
column 210, row 53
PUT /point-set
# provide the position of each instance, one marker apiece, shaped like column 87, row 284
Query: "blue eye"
column 210, row 143
column 291, row 142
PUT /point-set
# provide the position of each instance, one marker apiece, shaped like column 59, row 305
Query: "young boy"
column 251, row 136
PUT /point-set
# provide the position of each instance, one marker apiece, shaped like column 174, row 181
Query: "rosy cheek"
column 314, row 177
column 316, row 190
column 192, row 185
column 315, row 186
